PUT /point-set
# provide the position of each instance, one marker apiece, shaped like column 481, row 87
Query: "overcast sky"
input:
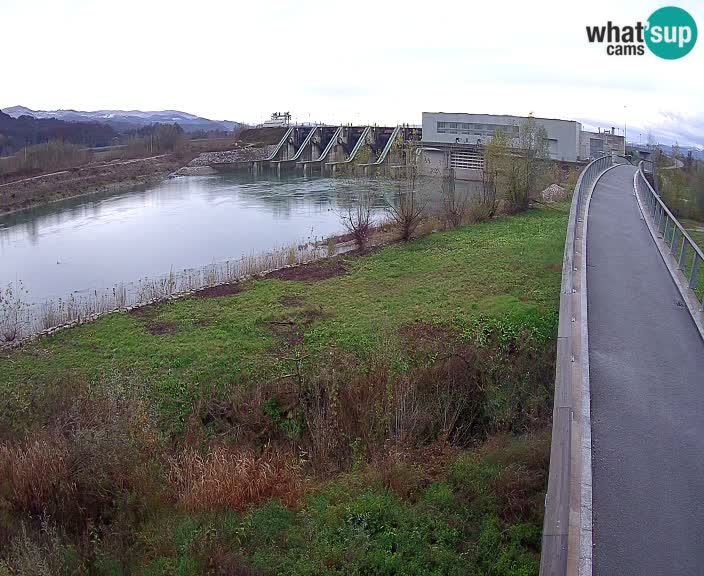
column 379, row 61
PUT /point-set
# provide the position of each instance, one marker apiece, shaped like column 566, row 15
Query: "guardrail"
column 564, row 450
column 280, row 144
column 301, row 148
column 328, row 147
column 387, row 147
column 683, row 249
column 361, row 141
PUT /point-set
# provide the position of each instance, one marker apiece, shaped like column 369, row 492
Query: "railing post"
column 675, row 241
column 681, row 264
column 695, row 270
column 658, row 217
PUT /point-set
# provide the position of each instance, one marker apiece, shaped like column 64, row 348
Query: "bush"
column 95, row 456
column 12, row 312
column 357, row 220
column 455, row 205
column 407, row 209
column 235, row 479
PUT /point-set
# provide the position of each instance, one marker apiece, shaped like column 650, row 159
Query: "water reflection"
column 97, row 241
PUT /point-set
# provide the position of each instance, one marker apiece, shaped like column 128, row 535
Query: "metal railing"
column 324, row 154
column 301, row 148
column 683, row 249
column 280, row 144
column 361, row 141
column 556, row 524
column 584, row 183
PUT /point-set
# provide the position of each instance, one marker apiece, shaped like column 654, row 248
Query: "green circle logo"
column 670, row 33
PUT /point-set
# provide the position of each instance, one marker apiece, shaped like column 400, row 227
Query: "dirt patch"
column 262, row 136
column 219, row 291
column 290, row 335
column 291, row 301
column 313, row 272
column 426, row 338
column 289, row 331
column 148, row 311
column 424, row 332
column 155, row 327
column 158, row 327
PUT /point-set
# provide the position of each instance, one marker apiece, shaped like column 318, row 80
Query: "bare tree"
column 455, row 205
column 516, row 165
column 357, row 219
column 12, row 309
column 533, row 148
column 408, row 207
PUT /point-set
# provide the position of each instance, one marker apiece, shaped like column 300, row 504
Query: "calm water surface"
column 95, row 242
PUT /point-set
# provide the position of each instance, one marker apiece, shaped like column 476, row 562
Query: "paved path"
column 646, row 363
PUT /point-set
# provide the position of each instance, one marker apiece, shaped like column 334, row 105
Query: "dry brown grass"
column 233, row 478
column 86, row 459
column 520, row 484
column 33, row 472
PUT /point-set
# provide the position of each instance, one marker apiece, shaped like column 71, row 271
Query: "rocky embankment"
column 202, row 163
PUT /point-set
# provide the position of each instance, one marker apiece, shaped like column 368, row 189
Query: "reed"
column 77, row 309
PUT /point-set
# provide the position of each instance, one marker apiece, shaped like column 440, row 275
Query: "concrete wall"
column 563, row 135
column 589, row 143
column 432, row 162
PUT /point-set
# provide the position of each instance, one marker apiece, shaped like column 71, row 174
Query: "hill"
column 26, row 130
column 125, row 120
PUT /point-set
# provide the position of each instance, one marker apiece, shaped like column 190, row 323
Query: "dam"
column 335, row 150
column 446, row 144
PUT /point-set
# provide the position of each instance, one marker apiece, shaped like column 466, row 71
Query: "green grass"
column 356, row 526
column 695, row 230
column 489, row 292
column 504, row 274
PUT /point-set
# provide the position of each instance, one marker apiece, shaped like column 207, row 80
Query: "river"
column 92, row 243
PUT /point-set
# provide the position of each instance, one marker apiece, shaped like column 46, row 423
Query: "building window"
column 469, row 159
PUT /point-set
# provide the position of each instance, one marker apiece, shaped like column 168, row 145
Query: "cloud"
column 381, row 62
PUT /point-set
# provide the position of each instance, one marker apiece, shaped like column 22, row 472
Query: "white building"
column 278, row 120
column 455, row 140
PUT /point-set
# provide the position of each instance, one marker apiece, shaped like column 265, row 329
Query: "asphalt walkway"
column 646, row 362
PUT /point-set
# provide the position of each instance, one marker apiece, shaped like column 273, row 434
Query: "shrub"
column 40, row 553
column 407, row 209
column 34, row 473
column 236, row 479
column 12, row 312
column 93, row 456
column 454, row 205
column 357, row 220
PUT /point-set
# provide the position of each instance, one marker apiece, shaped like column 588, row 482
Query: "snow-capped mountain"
column 128, row 119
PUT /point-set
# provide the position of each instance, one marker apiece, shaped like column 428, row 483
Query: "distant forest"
column 16, row 133
column 27, row 131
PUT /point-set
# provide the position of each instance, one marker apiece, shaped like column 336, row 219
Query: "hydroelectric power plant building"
column 447, row 144
column 456, row 140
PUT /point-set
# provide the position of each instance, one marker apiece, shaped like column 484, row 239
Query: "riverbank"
column 193, row 158
column 381, row 411
column 84, row 180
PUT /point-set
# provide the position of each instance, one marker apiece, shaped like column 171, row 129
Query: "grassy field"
column 383, row 414
column 695, row 229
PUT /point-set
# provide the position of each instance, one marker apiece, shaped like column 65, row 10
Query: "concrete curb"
column 688, row 297
column 566, row 543
column 586, row 541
